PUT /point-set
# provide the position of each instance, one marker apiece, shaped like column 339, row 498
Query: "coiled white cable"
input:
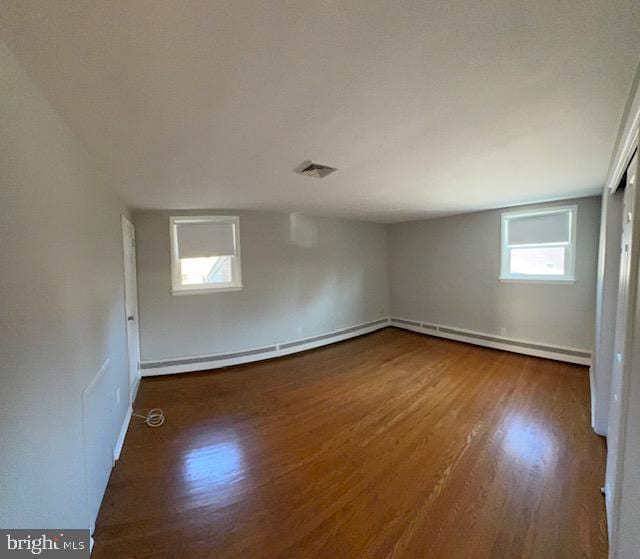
column 154, row 418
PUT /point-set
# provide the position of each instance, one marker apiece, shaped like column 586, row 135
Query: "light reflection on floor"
column 528, row 441
column 217, row 469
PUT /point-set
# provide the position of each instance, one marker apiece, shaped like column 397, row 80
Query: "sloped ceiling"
column 426, row 108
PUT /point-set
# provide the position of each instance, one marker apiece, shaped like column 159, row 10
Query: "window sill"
column 206, row 290
column 532, row 280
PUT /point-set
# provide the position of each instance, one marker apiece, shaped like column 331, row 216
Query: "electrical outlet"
column 503, row 331
column 117, row 395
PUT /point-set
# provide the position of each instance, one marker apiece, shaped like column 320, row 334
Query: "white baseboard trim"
column 525, row 347
column 123, row 433
column 216, row 361
column 592, row 394
column 596, row 423
column 134, row 392
column 608, row 505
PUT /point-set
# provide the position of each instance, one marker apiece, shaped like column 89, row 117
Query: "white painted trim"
column 123, row 433
column 629, row 135
column 126, row 223
column 435, row 330
column 538, row 281
column 134, row 391
column 626, row 153
column 279, row 351
column 202, row 291
column 626, row 330
column 592, row 390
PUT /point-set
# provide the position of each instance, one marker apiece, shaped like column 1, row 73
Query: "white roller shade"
column 539, row 229
column 199, row 240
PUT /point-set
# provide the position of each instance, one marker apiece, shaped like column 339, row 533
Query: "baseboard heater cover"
column 332, row 334
column 528, row 345
column 187, row 364
column 403, row 321
column 519, row 346
column 207, row 358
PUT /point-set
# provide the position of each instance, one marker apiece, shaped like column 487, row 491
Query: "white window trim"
column 570, row 263
column 176, row 285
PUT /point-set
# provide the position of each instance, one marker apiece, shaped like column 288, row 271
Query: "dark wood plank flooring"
column 390, row 445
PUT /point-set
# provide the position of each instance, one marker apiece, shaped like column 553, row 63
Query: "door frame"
column 622, row 357
column 128, row 226
column 618, row 425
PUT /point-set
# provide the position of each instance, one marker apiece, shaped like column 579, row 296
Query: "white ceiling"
column 426, row 108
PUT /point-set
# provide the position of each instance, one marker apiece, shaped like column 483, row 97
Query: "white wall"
column 445, row 271
column 302, row 276
column 62, row 308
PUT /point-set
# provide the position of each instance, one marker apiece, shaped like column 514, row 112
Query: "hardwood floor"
column 389, row 445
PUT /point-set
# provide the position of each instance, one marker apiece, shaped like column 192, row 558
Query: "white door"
column 131, row 303
column 629, row 252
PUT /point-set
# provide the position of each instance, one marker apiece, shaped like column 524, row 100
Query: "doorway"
column 622, row 357
column 131, row 305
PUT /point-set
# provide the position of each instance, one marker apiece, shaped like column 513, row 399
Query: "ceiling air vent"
column 311, row 169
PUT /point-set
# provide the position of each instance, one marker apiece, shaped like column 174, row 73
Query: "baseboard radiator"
column 558, row 353
column 214, row 361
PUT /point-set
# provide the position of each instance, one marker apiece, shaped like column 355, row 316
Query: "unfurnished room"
column 332, row 280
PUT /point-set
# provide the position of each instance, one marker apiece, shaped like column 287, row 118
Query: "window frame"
column 177, row 287
column 568, row 277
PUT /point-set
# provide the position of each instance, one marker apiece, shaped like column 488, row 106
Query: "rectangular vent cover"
column 317, row 170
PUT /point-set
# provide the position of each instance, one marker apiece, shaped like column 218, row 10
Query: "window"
column 205, row 254
column 539, row 245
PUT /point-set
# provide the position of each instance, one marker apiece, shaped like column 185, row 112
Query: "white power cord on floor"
column 154, row 418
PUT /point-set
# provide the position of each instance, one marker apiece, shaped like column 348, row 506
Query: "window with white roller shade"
column 539, row 245
column 205, row 254
column 205, row 239
column 540, row 229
